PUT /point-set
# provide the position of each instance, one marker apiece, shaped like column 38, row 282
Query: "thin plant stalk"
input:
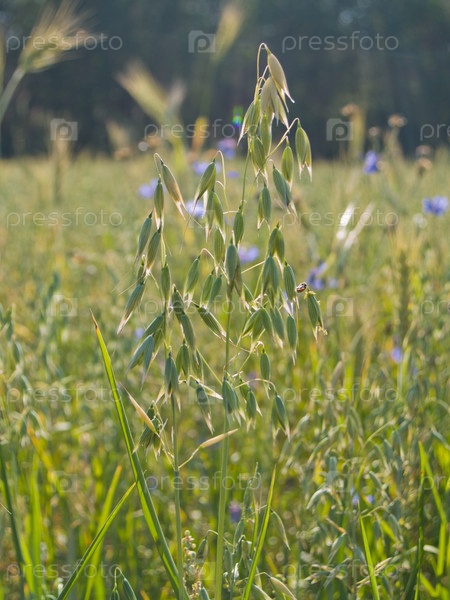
column 176, row 470
column 8, row 93
column 145, row 497
column 223, row 473
column 14, row 530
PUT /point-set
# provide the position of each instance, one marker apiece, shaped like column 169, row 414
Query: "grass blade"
column 373, row 580
column 261, row 538
column 94, row 545
column 144, row 494
column 103, row 516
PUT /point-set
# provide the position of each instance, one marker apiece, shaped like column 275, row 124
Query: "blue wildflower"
column 200, row 166
column 438, row 205
column 247, row 255
column 195, row 209
column 397, row 354
column 235, row 511
column 314, row 279
column 147, row 190
column 139, row 333
column 227, row 147
column 371, row 162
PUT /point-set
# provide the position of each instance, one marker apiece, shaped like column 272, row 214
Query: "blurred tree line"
column 324, row 47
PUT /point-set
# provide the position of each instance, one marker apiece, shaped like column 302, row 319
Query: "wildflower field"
column 364, row 447
column 221, row 377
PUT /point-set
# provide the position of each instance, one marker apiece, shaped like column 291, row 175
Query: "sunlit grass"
column 357, row 409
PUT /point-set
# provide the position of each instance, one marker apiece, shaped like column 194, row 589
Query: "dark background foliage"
column 411, row 79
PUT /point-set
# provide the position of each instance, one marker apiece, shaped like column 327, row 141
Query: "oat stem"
column 176, row 471
column 223, row 473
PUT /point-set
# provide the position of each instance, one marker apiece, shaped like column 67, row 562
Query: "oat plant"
column 248, row 311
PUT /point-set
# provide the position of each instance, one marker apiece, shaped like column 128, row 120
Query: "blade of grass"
column 425, row 471
column 261, row 538
column 35, row 525
column 144, row 494
column 373, row 580
column 10, row 509
column 103, row 516
column 94, row 545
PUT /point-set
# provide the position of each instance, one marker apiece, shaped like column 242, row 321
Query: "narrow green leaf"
column 370, row 566
column 148, row 507
column 261, row 538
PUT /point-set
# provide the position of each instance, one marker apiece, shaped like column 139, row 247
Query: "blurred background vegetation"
column 410, row 79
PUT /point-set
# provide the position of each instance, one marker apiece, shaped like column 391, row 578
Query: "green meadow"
column 340, row 489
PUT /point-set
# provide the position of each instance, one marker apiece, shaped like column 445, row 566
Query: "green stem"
column 176, row 471
column 223, row 474
column 10, row 88
column 148, row 507
column 245, row 176
column 15, row 533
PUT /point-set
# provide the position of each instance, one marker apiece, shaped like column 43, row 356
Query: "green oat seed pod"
column 183, row 360
column 291, row 329
column 172, row 187
column 177, row 303
column 265, row 131
column 281, row 186
column 289, row 282
column 158, row 201
column 287, row 164
column 238, row 225
column 192, row 276
column 264, row 206
column 152, row 249
column 277, row 73
column 188, row 330
column 144, row 236
column 303, row 150
column 264, row 365
column 258, row 155
column 207, row 180
column 128, row 590
column 166, row 282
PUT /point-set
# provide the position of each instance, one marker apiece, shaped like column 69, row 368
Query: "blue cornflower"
column 371, row 162
column 397, row 354
column 227, row 147
column 235, row 511
column 200, row 166
column 314, row 279
column 438, row 205
column 195, row 209
column 147, row 190
column 139, row 332
column 247, row 255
